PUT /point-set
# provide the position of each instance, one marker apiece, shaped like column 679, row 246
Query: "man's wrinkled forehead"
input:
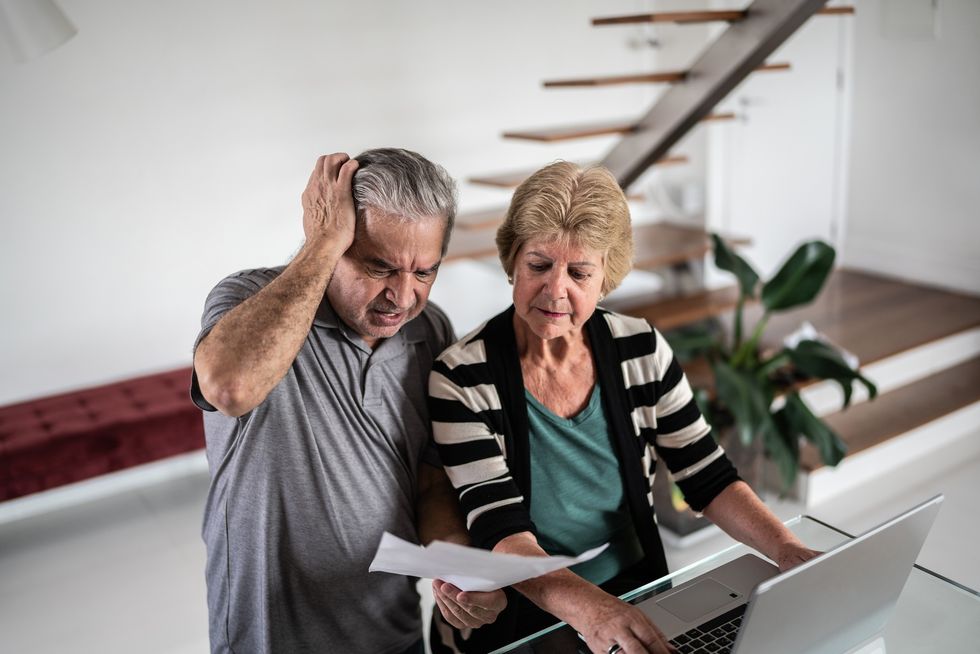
column 397, row 239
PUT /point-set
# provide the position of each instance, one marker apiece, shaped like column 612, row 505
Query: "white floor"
column 124, row 573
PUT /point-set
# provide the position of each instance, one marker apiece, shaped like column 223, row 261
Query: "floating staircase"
column 755, row 33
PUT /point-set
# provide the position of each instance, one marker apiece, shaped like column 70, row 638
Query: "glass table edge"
column 667, row 578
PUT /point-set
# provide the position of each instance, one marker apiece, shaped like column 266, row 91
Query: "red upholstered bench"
column 61, row 439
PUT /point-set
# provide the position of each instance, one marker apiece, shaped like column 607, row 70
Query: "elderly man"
column 312, row 377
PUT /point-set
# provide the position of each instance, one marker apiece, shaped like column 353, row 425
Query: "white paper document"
column 467, row 568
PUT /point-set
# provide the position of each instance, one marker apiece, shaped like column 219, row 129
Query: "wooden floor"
column 902, row 410
column 876, row 317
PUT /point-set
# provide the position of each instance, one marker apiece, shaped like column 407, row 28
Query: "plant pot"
column 672, row 511
column 749, row 460
column 674, row 514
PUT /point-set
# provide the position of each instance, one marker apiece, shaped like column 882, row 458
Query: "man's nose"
column 400, row 290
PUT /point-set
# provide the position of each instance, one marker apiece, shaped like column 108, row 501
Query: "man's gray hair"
column 406, row 184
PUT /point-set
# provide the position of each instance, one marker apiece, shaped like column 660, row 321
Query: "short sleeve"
column 225, row 296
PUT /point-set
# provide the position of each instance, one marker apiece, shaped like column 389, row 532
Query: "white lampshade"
column 29, row 28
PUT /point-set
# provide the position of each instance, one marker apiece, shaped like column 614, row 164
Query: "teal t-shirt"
column 577, row 498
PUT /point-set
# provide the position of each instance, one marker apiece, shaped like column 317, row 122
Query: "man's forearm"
column 439, row 516
column 252, row 347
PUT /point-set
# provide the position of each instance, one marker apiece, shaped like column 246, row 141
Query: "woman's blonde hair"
column 586, row 207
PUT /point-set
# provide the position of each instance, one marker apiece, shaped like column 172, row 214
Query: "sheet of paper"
column 467, row 568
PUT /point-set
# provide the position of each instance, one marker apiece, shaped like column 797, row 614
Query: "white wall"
column 775, row 176
column 872, row 143
column 167, row 145
column 914, row 201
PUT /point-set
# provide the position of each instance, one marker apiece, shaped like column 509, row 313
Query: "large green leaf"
column 802, row 421
column 820, row 360
column 692, row 341
column 726, row 259
column 747, row 399
column 800, row 278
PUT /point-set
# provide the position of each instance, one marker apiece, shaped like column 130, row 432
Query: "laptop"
column 837, row 602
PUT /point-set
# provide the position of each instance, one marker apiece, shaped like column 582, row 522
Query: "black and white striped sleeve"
column 467, row 424
column 666, row 415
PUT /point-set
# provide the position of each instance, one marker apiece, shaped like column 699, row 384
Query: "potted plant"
column 755, row 405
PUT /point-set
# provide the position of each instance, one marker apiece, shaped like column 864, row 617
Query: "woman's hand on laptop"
column 464, row 609
column 606, row 622
column 746, row 518
column 791, row 555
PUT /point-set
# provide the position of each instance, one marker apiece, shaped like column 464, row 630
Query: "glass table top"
column 933, row 614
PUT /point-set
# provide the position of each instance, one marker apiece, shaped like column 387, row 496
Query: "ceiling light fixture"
column 31, row 28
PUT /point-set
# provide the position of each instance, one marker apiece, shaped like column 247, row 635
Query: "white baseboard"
column 122, row 481
column 919, row 454
column 913, row 263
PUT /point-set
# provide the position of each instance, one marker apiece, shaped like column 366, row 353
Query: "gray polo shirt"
column 303, row 486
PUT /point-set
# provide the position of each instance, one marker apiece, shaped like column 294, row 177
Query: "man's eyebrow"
column 381, row 264
column 375, row 262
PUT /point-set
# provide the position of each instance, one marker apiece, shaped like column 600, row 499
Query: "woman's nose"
column 555, row 285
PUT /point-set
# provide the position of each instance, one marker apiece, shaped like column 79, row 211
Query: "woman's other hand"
column 793, row 554
column 464, row 609
column 605, row 621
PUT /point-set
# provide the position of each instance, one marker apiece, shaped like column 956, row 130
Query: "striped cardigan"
column 479, row 421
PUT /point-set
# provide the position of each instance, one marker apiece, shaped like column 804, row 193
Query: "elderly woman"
column 550, row 418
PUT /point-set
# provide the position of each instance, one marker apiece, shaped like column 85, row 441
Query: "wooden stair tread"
column 670, row 312
column 483, row 219
column 577, row 131
column 861, row 312
column 707, row 16
column 514, row 179
column 680, row 17
column 669, row 76
column 655, row 244
column 471, row 244
column 665, row 243
column 891, row 414
column 585, row 130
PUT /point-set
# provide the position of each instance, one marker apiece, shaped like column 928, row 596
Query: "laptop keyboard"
column 716, row 636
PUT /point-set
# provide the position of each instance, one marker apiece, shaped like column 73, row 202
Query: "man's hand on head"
column 328, row 205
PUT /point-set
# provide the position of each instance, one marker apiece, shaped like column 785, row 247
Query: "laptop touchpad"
column 698, row 599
